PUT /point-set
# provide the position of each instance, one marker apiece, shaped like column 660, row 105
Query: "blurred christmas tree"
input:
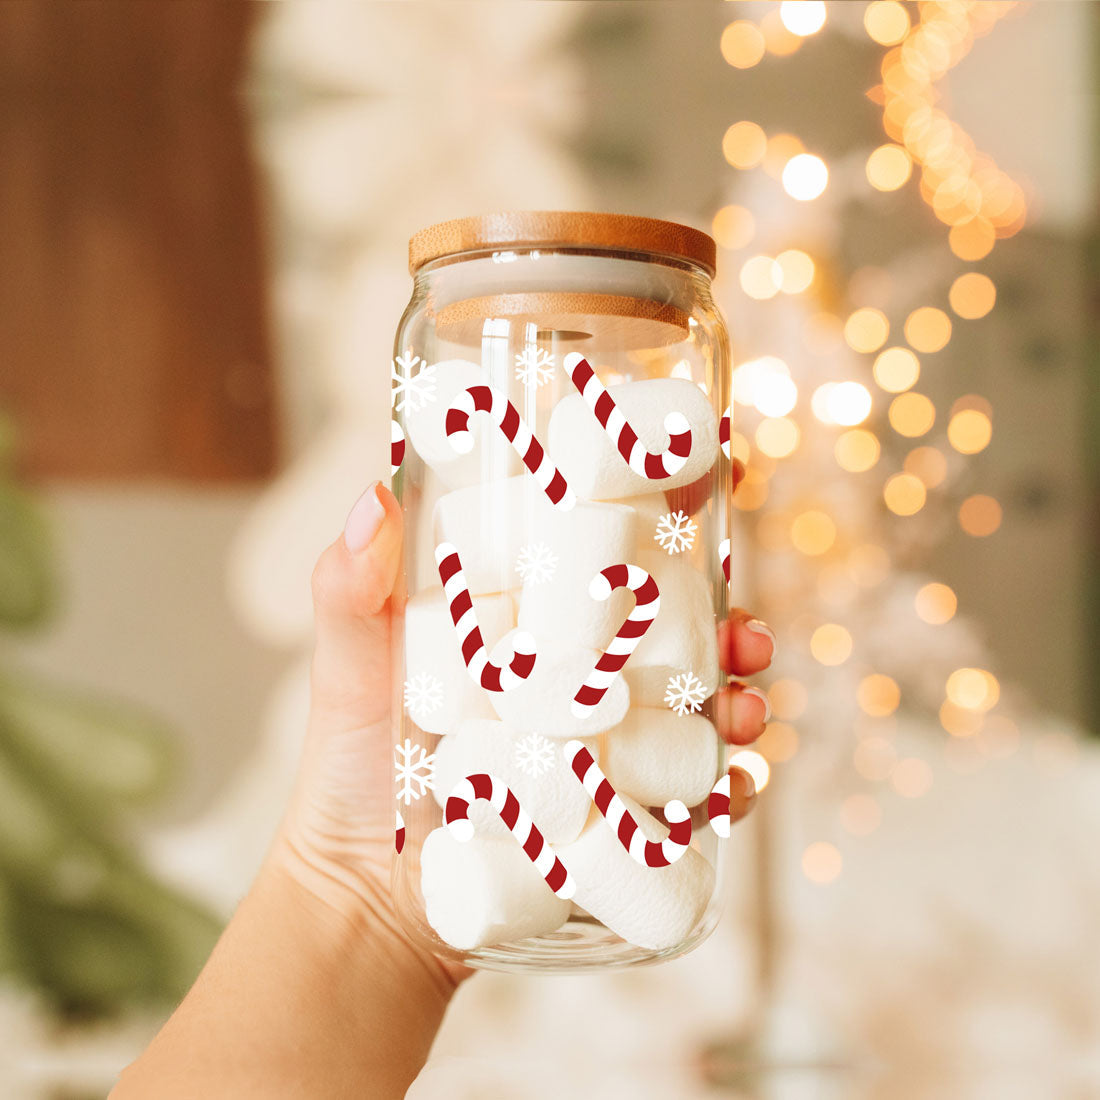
column 81, row 922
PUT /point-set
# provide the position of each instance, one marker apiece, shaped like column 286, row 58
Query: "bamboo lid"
column 578, row 229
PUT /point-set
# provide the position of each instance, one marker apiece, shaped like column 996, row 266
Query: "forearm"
column 297, row 1000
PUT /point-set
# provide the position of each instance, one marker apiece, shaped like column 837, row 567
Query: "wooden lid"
column 568, row 228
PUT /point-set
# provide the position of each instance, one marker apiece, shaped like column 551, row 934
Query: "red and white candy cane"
column 647, row 602
column 397, row 447
column 644, row 463
column 490, row 676
column 649, row 853
column 724, row 555
column 488, row 788
column 489, row 400
column 724, row 432
column 399, row 833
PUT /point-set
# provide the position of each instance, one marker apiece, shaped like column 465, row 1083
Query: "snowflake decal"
column 535, row 755
column 536, row 564
column 534, row 366
column 685, row 693
column 423, row 694
column 675, row 532
column 413, row 388
column 415, row 771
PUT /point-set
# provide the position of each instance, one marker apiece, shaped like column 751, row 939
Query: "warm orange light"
column 896, row 369
column 742, row 44
column 733, row 227
column 822, row 862
column 752, row 491
column 936, row 603
column 802, row 17
column 969, row 431
column 980, row 515
column 904, row 494
column 805, row 177
column 973, row 688
column 831, row 644
column 744, row 145
column 797, row 271
column 972, row 295
column 878, row 695
column 927, row 463
column 778, row 39
column 788, row 698
column 857, row 450
column 960, row 721
column 813, row 533
column 781, row 148
column 927, row 329
column 889, row 167
column 778, row 743
column 886, row 21
column 972, row 240
column 911, row 414
column 777, row 437
column 866, row 329
column 761, row 277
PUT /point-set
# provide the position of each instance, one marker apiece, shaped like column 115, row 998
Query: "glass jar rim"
column 522, row 229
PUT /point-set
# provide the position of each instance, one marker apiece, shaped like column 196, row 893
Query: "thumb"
column 353, row 583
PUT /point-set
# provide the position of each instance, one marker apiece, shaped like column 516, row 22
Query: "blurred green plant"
column 82, row 922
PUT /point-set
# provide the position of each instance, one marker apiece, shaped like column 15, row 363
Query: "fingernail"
column 758, row 626
column 363, row 520
column 763, row 697
column 748, row 784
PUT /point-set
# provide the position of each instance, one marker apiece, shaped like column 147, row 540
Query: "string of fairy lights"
column 980, row 205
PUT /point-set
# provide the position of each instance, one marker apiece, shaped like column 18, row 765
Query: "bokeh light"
column 927, row 463
column 972, row 240
column 797, row 271
column 831, row 644
column 886, row 21
column 805, row 177
column 927, row 329
column 972, row 295
column 744, row 144
column 778, row 38
column 774, row 394
column 896, row 369
column 878, row 695
column 860, row 814
column 889, row 167
column 761, row 277
column 733, row 227
column 911, row 414
column 822, row 862
column 857, row 450
column 777, row 437
column 788, row 698
column 802, row 17
column 936, row 603
column 904, row 494
column 755, row 764
column 960, row 721
column 866, row 329
column 742, row 44
column 973, row 688
column 980, row 515
column 813, row 533
column 969, row 431
column 778, row 743
column 847, row 403
column 781, row 148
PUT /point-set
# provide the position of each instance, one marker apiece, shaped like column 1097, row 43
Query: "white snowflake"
column 534, row 366
column 675, row 532
column 536, row 563
column 535, row 755
column 685, row 693
column 412, row 388
column 415, row 771
column 423, row 694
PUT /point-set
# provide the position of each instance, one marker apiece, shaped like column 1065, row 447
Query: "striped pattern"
column 397, row 447
column 490, row 676
column 647, row 602
column 724, row 555
column 649, row 853
column 724, row 432
column 489, row 400
column 399, row 833
column 652, row 466
column 489, row 789
column 718, row 806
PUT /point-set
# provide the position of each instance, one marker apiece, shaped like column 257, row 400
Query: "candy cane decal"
column 490, row 676
column 647, row 602
column 649, row 853
column 724, row 432
column 718, row 806
column 489, row 400
column 724, row 555
column 397, row 447
column 489, row 789
column 399, row 833
column 653, row 466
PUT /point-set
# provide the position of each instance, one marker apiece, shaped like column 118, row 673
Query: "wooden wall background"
column 133, row 339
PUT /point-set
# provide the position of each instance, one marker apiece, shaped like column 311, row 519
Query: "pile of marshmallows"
column 487, row 890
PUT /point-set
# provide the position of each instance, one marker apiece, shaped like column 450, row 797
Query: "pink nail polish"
column 763, row 697
column 363, row 520
column 758, row 626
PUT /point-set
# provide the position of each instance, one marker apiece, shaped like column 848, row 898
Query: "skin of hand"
column 314, row 989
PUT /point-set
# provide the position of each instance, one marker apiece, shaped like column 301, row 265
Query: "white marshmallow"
column 651, row 907
column 491, row 458
column 485, row 890
column 655, row 755
column 550, row 793
column 542, row 702
column 589, row 460
column 432, row 649
column 684, row 636
column 584, row 540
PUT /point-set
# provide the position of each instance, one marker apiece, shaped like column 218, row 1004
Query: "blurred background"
column 205, row 214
